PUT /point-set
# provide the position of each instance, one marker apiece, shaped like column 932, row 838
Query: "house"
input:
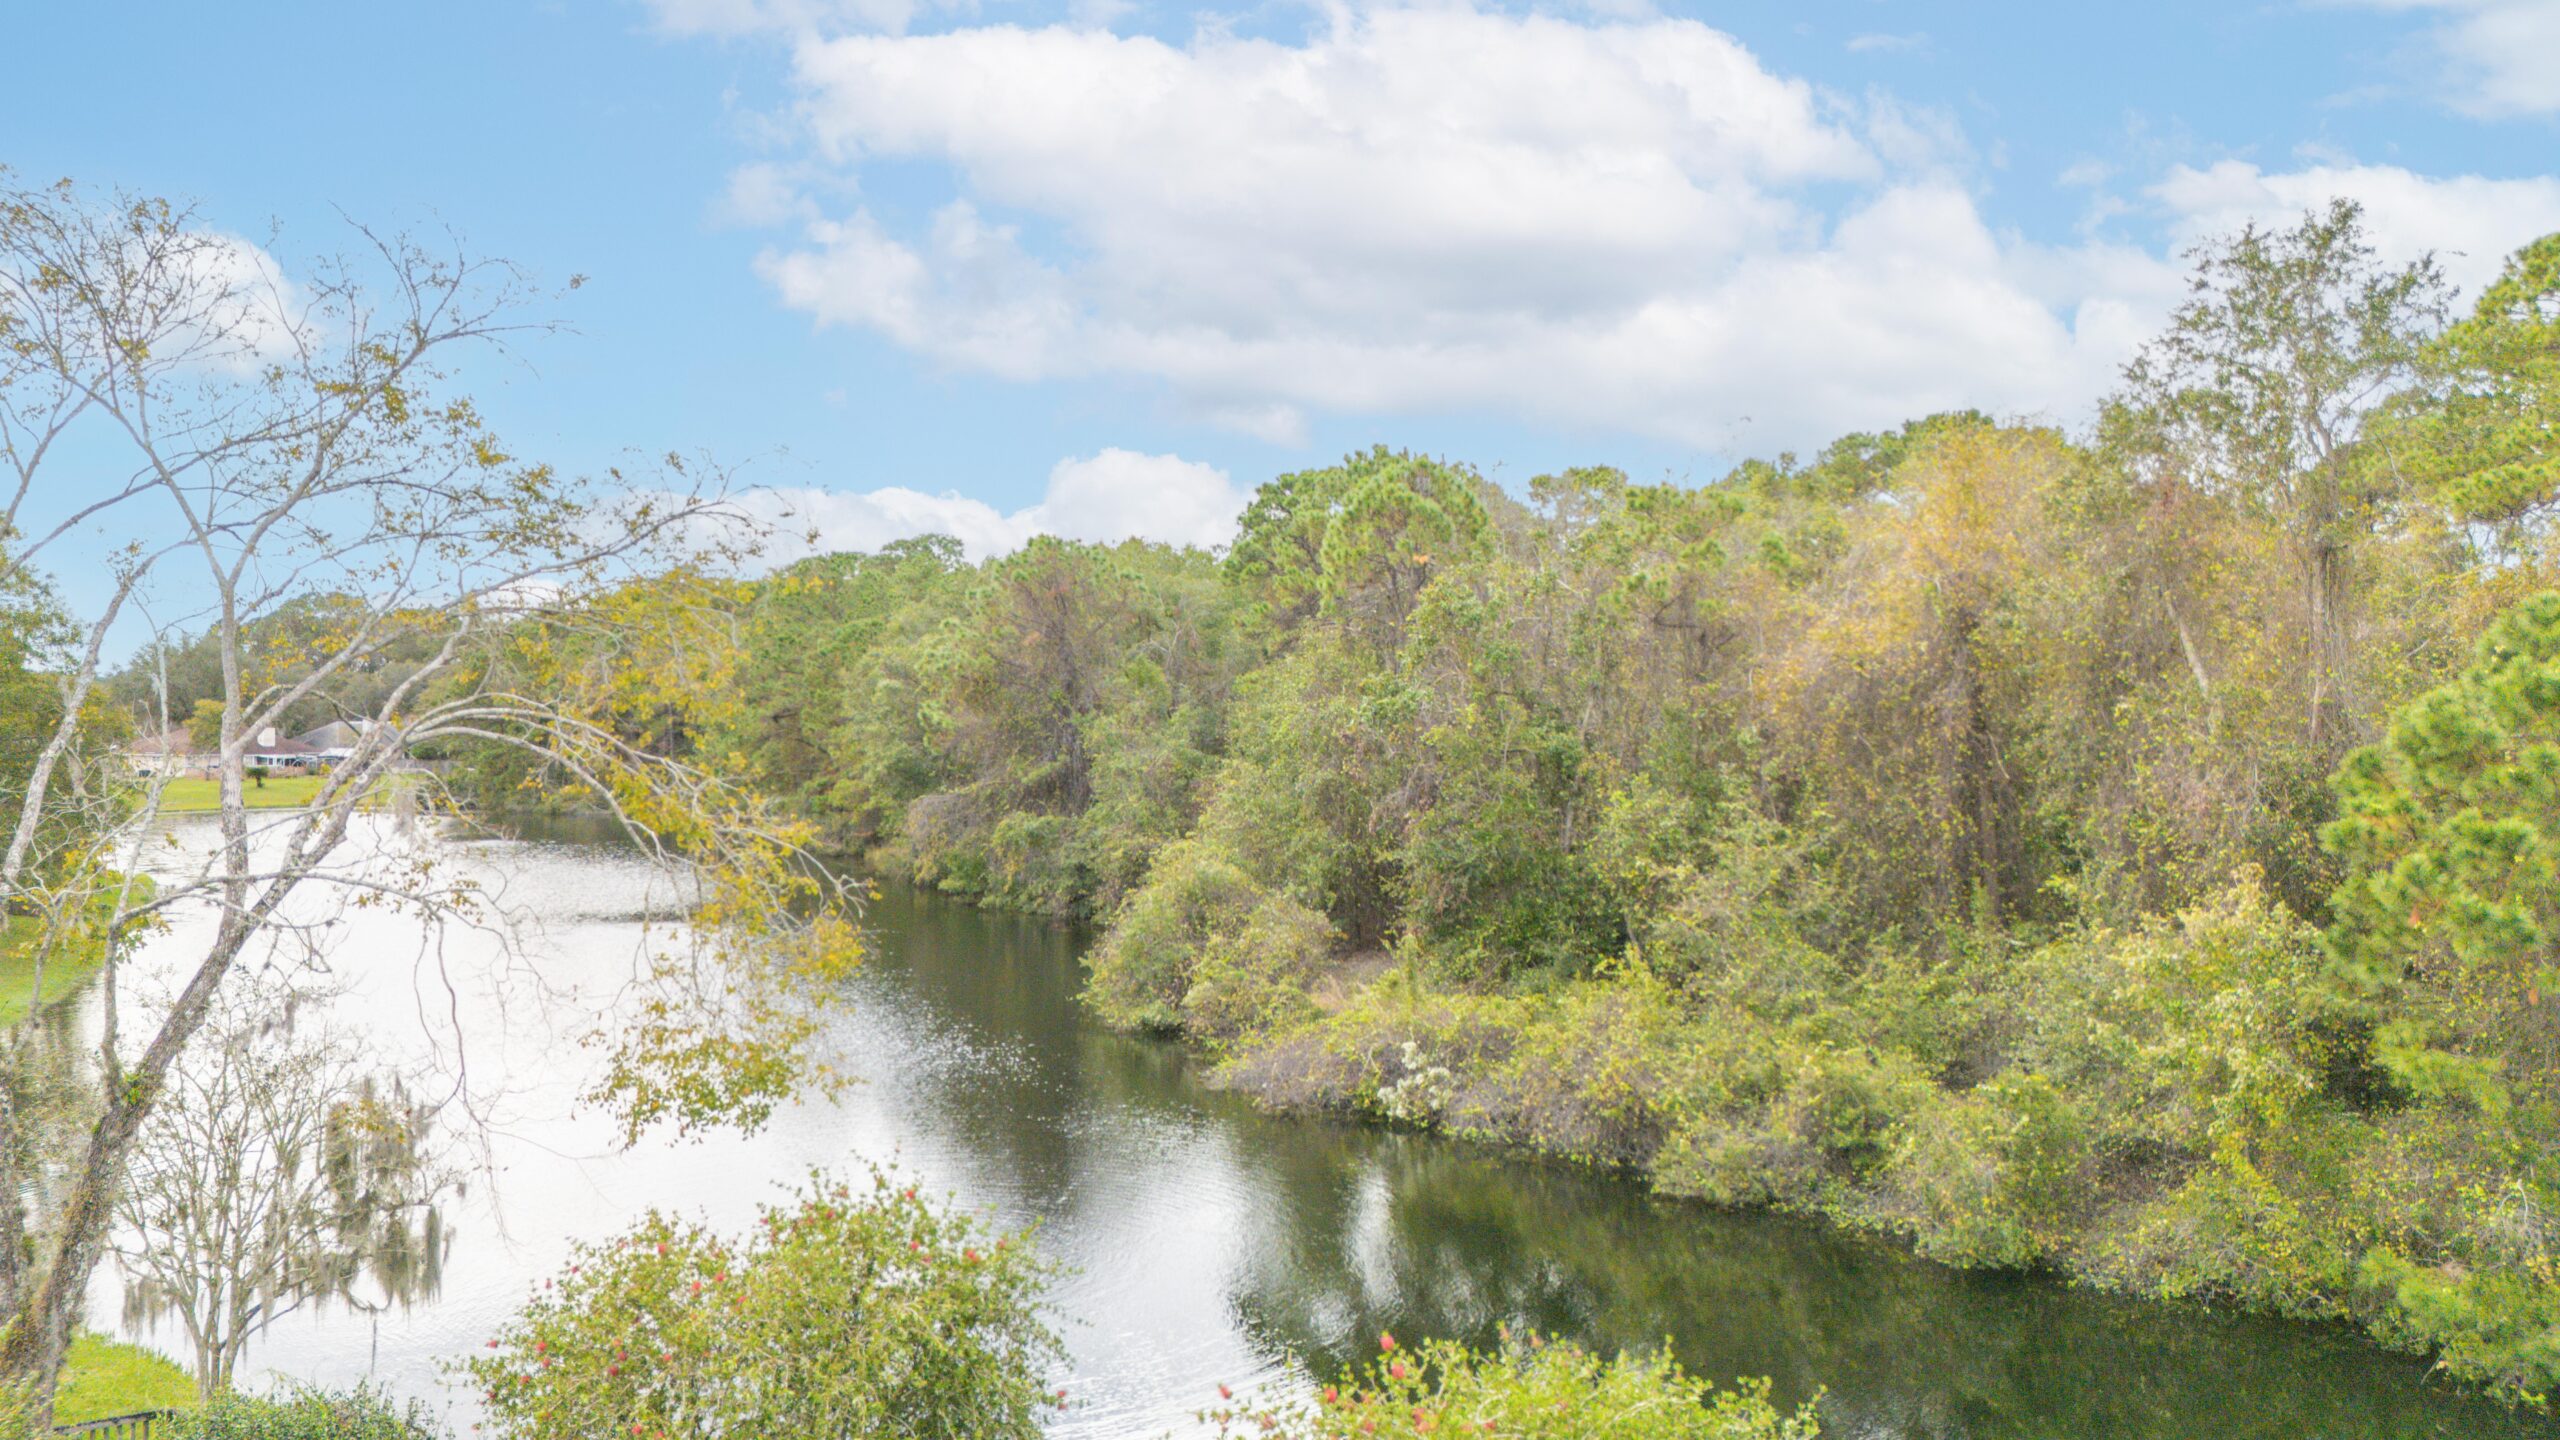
column 273, row 752
column 168, row 754
column 334, row 741
column 336, row 735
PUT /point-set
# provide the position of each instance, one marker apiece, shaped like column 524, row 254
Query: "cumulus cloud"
column 2498, row 55
column 1620, row 225
column 1107, row 497
column 2472, row 223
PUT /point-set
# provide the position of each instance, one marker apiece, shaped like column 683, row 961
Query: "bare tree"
column 275, row 1174
column 210, row 442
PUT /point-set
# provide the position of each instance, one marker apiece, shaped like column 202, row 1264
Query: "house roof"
column 335, row 734
column 172, row 741
column 285, row 748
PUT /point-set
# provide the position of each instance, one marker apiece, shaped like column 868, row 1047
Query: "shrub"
column 1995, row 1174
column 1253, row 978
column 1203, row 947
column 843, row 1312
column 1533, row 1391
column 359, row 1414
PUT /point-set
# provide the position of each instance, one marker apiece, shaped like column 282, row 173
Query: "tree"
column 274, row 1176
column 274, row 443
column 843, row 1311
column 2443, row 944
column 2445, row 926
column 2262, row 386
column 2478, row 437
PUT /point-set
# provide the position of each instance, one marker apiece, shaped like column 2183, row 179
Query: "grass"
column 106, row 1377
column 203, row 797
column 66, row 970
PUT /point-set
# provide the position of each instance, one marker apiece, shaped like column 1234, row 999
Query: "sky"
column 992, row 267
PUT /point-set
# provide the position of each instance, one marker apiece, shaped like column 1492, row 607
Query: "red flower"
column 1386, row 1340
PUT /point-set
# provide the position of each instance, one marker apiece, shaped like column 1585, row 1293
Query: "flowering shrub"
column 848, row 1311
column 1540, row 1390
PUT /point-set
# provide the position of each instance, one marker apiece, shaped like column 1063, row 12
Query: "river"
column 1209, row 1243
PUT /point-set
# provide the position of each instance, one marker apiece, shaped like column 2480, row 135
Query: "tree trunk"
column 2325, row 580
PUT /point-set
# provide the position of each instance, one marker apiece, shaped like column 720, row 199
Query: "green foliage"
column 1204, row 948
column 2441, row 946
column 846, row 1311
column 359, row 1414
column 2479, row 436
column 1532, row 1390
column 2443, row 926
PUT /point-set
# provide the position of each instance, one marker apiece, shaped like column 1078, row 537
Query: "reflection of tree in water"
column 1424, row 1237
column 276, row 1175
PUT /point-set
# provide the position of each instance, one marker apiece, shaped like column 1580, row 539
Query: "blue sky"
column 1101, row 268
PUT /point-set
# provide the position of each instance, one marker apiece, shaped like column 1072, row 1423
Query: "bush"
column 1533, row 1391
column 1996, row 1174
column 359, row 1414
column 1203, row 947
column 1254, row 978
column 841, row 1313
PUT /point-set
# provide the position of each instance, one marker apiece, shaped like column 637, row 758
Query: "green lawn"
column 203, row 797
column 108, row 1377
column 66, row 970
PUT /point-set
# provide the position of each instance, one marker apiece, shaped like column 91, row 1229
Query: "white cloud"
column 1875, row 41
column 746, row 17
column 2500, row 58
column 1628, row 226
column 761, row 194
column 1108, row 497
column 2472, row 223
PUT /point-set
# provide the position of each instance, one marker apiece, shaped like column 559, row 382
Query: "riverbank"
column 2116, row 1136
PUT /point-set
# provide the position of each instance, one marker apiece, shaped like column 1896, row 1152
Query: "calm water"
column 1210, row 1243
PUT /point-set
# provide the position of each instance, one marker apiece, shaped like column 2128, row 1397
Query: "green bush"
column 1252, row 978
column 1204, row 949
column 1141, row 972
column 843, row 1312
column 1996, row 1174
column 1534, row 1391
column 359, row 1414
